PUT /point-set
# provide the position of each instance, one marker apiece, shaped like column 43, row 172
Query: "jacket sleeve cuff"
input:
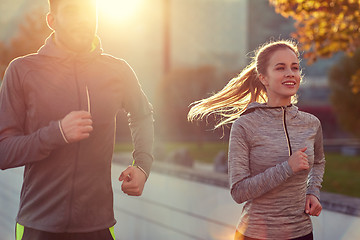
column 62, row 133
column 288, row 171
column 51, row 136
column 141, row 169
column 143, row 161
column 313, row 191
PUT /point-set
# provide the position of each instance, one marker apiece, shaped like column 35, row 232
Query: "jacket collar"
column 50, row 49
column 292, row 110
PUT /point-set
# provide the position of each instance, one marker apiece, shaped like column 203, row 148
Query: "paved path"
column 177, row 208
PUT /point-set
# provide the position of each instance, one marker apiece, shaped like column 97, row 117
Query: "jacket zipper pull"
column 286, row 131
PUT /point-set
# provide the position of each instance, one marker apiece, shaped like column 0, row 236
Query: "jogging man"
column 57, row 118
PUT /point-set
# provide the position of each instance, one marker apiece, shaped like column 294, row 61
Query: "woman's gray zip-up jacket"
column 67, row 187
column 261, row 141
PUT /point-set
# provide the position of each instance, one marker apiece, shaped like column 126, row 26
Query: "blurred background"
column 185, row 50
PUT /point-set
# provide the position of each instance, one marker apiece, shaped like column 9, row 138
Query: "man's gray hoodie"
column 67, row 187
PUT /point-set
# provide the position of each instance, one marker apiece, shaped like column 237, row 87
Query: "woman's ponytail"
column 233, row 99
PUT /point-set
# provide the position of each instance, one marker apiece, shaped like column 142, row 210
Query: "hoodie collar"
column 292, row 110
column 50, row 49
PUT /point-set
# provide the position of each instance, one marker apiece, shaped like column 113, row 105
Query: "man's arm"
column 16, row 148
column 141, row 123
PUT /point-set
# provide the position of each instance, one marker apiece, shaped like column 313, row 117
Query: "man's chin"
column 82, row 45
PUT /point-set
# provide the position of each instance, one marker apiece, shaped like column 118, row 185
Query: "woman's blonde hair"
column 242, row 90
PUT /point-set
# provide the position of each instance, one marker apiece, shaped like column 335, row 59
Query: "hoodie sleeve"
column 140, row 117
column 16, row 147
column 243, row 186
column 317, row 171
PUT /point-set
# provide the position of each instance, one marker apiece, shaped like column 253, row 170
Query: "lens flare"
column 118, row 10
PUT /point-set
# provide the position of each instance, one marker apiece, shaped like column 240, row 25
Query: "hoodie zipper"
column 286, row 131
column 78, row 151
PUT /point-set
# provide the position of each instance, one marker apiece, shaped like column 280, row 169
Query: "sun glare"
column 118, row 9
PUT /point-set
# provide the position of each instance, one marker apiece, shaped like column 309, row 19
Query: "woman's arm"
column 316, row 173
column 244, row 186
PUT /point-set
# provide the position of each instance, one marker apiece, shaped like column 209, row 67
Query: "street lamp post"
column 167, row 39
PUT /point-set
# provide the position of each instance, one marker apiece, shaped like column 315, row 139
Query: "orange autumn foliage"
column 324, row 27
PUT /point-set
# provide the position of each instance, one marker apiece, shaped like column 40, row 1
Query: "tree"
column 177, row 90
column 325, row 27
column 347, row 107
column 32, row 32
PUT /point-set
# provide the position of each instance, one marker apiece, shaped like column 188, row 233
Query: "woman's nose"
column 289, row 73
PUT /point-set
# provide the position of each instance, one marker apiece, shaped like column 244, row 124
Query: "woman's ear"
column 50, row 20
column 263, row 79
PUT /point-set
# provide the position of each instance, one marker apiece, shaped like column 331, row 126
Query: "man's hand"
column 133, row 181
column 298, row 161
column 76, row 126
column 312, row 206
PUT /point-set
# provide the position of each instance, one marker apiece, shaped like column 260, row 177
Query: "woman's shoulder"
column 308, row 118
column 247, row 119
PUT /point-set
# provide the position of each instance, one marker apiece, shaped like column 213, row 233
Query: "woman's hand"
column 298, row 161
column 312, row 206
